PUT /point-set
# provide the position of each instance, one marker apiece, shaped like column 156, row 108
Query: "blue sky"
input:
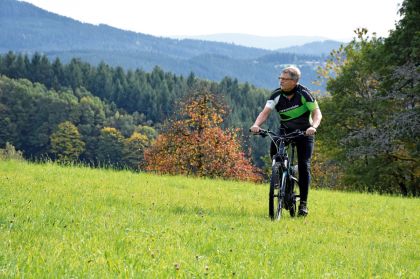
column 334, row 19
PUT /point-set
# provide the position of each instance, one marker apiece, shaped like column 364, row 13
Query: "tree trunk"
column 403, row 188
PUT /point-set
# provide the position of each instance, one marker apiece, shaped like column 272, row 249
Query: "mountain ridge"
column 264, row 42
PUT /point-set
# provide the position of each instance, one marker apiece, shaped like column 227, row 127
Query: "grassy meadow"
column 77, row 222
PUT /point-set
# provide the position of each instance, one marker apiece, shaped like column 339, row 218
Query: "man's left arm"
column 316, row 116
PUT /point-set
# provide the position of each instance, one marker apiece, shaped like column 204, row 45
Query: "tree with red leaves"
column 195, row 143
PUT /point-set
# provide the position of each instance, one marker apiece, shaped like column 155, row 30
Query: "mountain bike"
column 283, row 174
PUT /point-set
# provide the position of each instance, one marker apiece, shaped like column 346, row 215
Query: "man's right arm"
column 262, row 117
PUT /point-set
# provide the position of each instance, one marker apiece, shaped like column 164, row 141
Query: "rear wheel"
column 275, row 201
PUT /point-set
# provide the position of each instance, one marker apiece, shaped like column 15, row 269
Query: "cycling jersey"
column 296, row 112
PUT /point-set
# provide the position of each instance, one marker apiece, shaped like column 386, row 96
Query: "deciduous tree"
column 66, row 143
column 110, row 147
column 134, row 149
column 372, row 118
column 196, row 144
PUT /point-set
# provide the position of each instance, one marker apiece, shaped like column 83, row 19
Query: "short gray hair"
column 293, row 71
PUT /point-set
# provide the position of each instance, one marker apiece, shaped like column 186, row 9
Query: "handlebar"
column 291, row 135
column 276, row 139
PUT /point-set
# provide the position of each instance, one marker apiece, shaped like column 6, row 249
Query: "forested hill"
column 37, row 95
column 26, row 28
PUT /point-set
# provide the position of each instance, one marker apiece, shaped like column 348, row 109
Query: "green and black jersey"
column 296, row 112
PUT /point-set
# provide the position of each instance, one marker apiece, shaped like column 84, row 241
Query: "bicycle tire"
column 275, row 201
column 274, row 190
column 290, row 197
column 293, row 208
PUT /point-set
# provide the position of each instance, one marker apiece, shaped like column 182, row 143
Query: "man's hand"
column 255, row 129
column 310, row 131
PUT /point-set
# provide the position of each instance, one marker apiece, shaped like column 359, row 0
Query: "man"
column 298, row 110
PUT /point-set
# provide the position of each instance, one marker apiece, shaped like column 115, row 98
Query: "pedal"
column 294, row 178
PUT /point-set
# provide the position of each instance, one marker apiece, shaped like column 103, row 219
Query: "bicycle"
column 283, row 174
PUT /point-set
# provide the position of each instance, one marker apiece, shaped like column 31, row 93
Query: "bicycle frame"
column 283, row 173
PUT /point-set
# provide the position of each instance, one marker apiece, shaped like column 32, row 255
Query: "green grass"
column 75, row 222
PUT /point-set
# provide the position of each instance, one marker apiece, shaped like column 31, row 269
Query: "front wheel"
column 292, row 208
column 275, row 201
column 290, row 196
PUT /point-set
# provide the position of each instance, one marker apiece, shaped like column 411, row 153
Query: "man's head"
column 289, row 78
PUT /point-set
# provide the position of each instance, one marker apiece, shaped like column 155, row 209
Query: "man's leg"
column 304, row 146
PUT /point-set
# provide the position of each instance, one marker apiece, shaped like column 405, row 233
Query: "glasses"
column 282, row 78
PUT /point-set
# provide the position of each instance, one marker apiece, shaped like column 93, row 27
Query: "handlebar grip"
column 263, row 133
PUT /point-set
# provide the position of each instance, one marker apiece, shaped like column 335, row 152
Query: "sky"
column 333, row 19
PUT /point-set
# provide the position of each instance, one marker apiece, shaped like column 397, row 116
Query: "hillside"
column 64, row 222
column 26, row 28
column 313, row 48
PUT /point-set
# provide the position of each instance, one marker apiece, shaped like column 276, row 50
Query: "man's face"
column 286, row 83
